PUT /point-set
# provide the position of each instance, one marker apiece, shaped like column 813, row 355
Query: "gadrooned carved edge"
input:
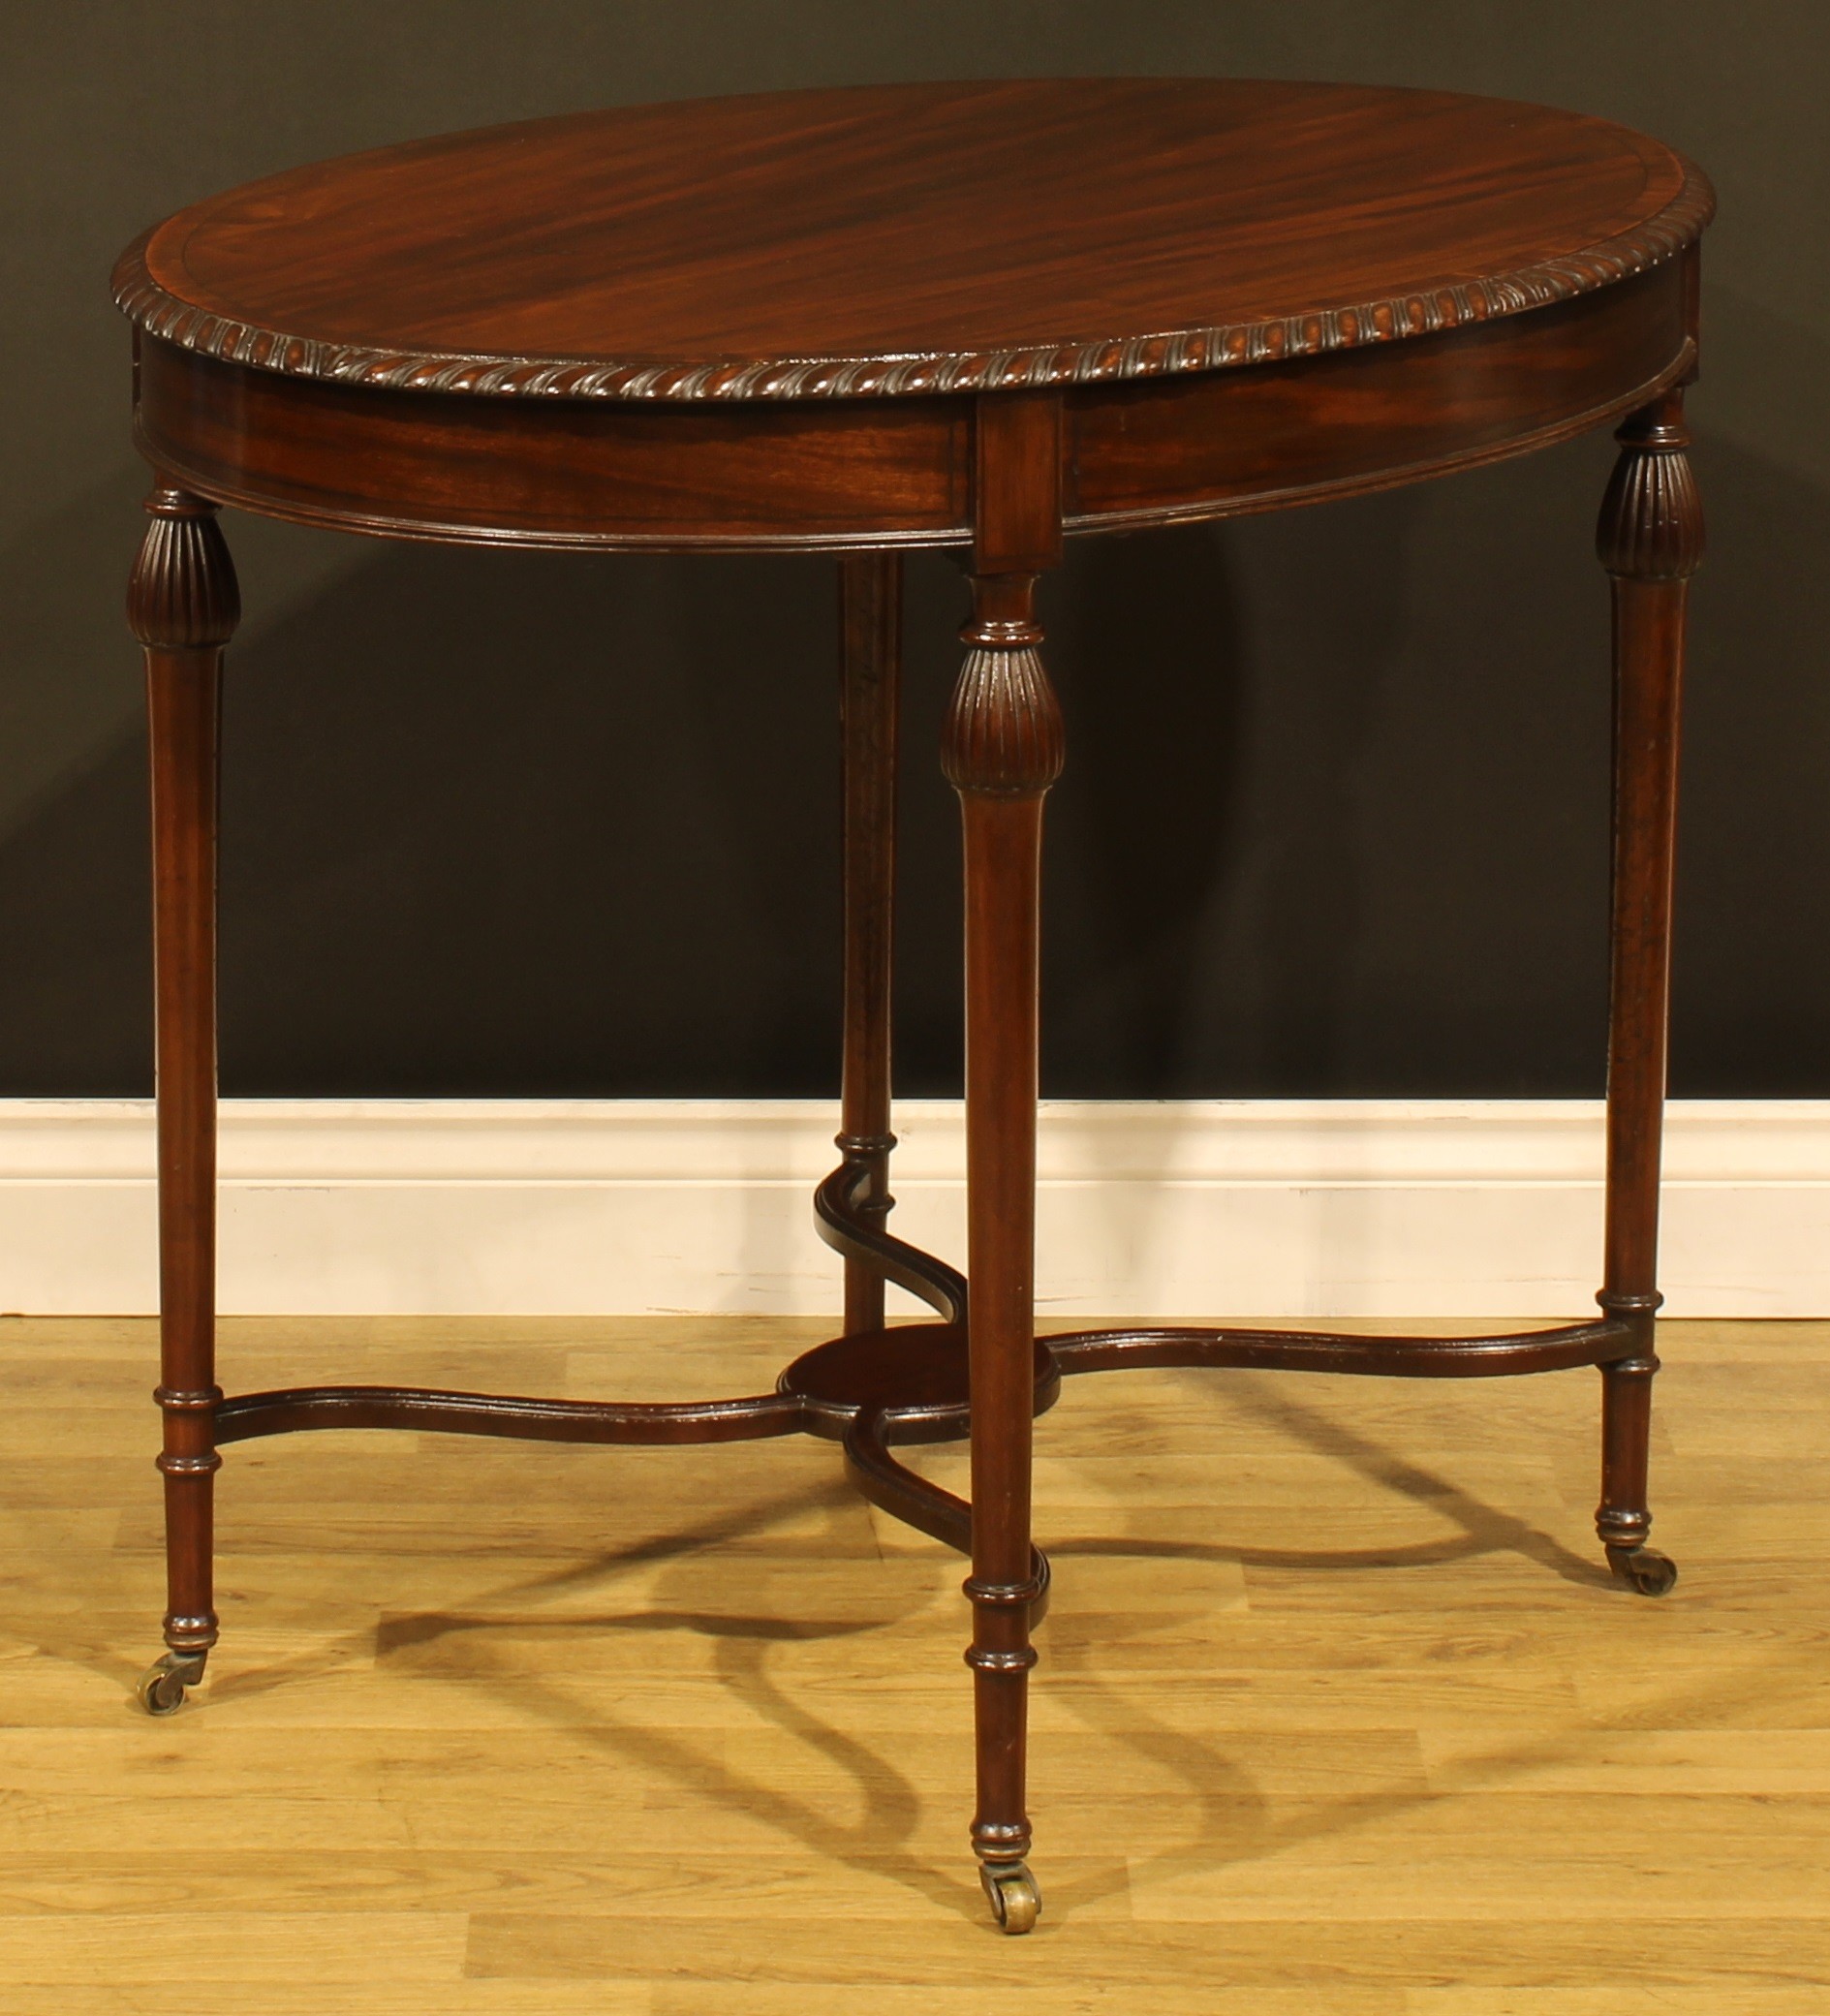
column 1448, row 307
column 182, row 594
column 1651, row 525
column 1003, row 731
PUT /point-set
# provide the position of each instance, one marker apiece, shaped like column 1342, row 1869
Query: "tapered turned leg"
column 1002, row 751
column 1650, row 541
column 870, row 627
column 183, row 605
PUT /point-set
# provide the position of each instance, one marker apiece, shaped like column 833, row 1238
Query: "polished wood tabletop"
column 980, row 316
column 911, row 238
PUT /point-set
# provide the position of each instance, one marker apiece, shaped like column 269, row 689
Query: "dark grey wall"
column 1334, row 816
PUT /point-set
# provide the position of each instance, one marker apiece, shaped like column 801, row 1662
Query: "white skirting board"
column 1268, row 1209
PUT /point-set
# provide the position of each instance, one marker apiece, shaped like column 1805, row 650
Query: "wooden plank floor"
column 1338, row 1711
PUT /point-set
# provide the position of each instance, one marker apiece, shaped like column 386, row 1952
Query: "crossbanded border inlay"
column 189, row 327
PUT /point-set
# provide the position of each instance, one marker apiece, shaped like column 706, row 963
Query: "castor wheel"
column 1013, row 1894
column 1643, row 1569
column 161, row 1686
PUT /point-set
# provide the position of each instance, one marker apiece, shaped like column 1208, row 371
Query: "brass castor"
column 1643, row 1569
column 1012, row 1892
column 161, row 1686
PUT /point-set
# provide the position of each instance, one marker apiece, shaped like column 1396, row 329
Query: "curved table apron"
column 1001, row 451
column 876, row 473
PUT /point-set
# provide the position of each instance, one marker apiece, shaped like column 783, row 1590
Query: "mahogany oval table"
column 977, row 316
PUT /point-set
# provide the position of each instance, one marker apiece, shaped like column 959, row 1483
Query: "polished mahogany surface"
column 912, row 239
column 686, row 325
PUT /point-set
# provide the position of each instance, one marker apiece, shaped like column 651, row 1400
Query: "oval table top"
column 912, row 239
